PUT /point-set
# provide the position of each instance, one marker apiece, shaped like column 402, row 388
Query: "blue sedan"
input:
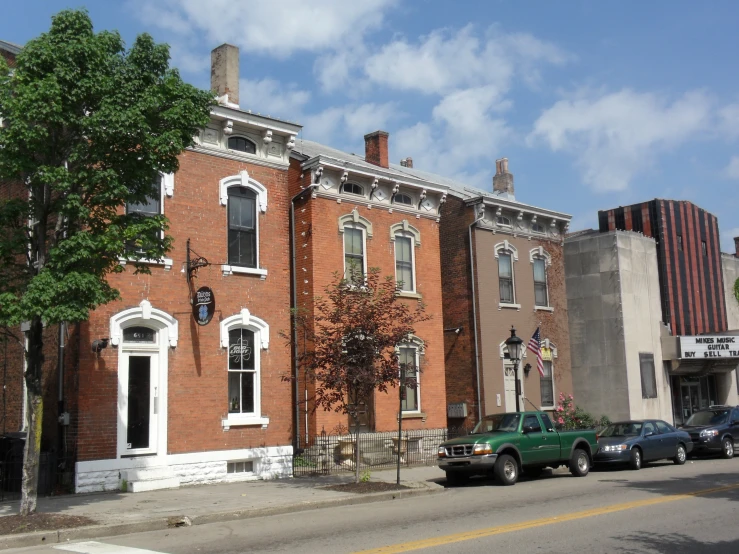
column 640, row 441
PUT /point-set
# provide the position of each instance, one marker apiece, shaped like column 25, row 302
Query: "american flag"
column 535, row 347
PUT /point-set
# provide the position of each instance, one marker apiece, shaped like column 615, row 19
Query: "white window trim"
column 227, row 136
column 167, row 334
column 540, row 254
column 420, row 346
column 414, row 277
column 243, row 180
column 167, row 189
column 507, row 248
column 355, row 218
column 344, row 191
column 244, row 320
column 150, row 316
column 405, row 229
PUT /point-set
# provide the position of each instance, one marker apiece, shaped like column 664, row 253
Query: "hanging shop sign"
column 203, row 305
column 709, row 346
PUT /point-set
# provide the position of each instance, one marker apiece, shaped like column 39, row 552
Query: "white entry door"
column 509, row 382
column 138, row 402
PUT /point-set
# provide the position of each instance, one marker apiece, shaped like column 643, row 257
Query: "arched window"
column 242, row 227
column 356, row 229
column 242, row 144
column 353, row 188
column 409, row 361
column 540, row 260
column 503, row 220
column 506, row 254
column 537, row 228
column 245, row 336
column 401, row 198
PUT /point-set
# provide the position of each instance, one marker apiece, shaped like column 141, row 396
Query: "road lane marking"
column 512, row 527
column 94, row 547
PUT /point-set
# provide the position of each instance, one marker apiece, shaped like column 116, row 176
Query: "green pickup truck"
column 505, row 444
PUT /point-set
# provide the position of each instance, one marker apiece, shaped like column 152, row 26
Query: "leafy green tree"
column 88, row 126
column 348, row 344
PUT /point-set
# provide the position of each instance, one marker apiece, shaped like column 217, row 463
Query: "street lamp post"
column 515, row 351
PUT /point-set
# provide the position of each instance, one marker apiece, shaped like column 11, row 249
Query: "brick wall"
column 320, row 254
column 198, row 397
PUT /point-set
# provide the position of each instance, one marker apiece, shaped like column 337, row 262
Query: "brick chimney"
column 502, row 180
column 408, row 162
column 224, row 72
column 736, row 246
column 375, row 148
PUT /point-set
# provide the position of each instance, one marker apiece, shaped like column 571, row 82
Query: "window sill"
column 409, row 294
column 543, row 309
column 509, row 306
column 414, row 415
column 166, row 262
column 244, row 421
column 231, row 269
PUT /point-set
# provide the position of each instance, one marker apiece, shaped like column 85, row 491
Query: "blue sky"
column 596, row 104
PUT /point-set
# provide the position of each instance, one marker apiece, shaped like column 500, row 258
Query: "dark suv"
column 714, row 430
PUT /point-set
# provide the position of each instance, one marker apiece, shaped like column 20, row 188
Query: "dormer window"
column 503, row 220
column 403, row 199
column 241, row 144
column 353, row 188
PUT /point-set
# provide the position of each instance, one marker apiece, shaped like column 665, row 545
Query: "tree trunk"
column 34, row 417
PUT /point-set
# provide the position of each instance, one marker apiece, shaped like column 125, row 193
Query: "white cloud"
column 348, row 123
column 618, row 135
column 732, row 170
column 444, row 61
column 275, row 28
column 268, row 96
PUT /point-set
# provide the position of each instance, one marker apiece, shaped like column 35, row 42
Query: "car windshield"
column 708, row 417
column 497, row 422
column 622, row 430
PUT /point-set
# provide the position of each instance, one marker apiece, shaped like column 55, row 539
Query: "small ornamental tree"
column 736, row 290
column 350, row 342
column 87, row 127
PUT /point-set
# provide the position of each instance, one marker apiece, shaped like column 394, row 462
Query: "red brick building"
column 363, row 211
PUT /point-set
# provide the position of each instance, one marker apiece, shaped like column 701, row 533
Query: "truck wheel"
column 727, row 448
column 579, row 463
column 456, row 479
column 506, row 470
column 636, row 459
column 681, row 455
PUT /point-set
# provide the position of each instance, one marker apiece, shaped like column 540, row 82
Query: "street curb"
column 42, row 538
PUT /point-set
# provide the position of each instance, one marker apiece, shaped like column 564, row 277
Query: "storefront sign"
column 709, row 346
column 546, row 354
column 203, row 305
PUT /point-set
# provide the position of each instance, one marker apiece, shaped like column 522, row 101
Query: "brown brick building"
column 503, row 266
column 368, row 212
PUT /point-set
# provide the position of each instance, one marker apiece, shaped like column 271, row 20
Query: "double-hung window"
column 149, row 207
column 404, row 266
column 242, row 227
column 354, row 255
column 546, row 386
column 242, row 371
column 409, row 374
column 541, row 296
column 505, row 278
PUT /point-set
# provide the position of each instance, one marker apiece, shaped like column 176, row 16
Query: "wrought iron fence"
column 56, row 473
column 330, row 453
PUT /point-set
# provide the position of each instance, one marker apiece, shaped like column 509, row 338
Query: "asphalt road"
column 662, row 508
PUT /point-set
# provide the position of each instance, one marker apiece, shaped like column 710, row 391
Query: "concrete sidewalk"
column 123, row 513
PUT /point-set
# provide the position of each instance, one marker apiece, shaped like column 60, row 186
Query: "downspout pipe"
column 294, row 286
column 474, row 310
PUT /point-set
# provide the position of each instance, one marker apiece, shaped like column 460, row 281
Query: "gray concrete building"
column 615, row 325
